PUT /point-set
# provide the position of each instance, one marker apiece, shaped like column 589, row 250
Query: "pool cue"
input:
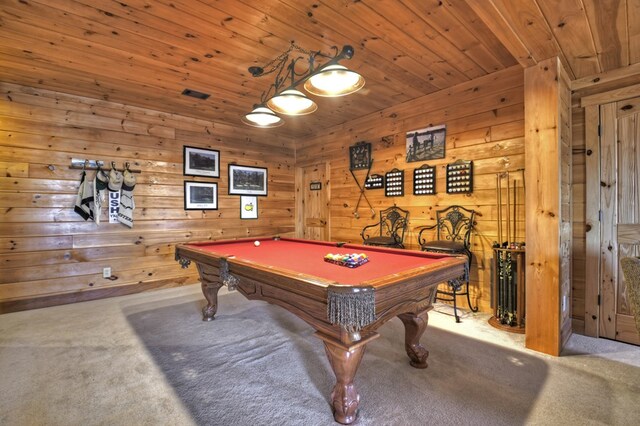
column 355, row 212
column 499, row 197
column 515, row 226
column 508, row 215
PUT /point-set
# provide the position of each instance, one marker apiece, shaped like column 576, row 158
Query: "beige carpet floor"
column 149, row 359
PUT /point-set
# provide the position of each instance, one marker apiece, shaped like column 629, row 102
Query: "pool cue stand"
column 508, row 296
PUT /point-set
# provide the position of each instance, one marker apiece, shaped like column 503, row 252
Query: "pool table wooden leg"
column 414, row 327
column 210, row 290
column 344, row 360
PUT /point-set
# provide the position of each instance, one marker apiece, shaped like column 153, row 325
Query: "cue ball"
column 256, row 243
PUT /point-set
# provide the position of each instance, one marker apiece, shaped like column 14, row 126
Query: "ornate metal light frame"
column 282, row 96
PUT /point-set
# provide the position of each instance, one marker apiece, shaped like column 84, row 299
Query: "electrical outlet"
column 106, row 272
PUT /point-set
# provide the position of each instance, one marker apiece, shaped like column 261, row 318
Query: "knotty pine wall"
column 485, row 123
column 49, row 255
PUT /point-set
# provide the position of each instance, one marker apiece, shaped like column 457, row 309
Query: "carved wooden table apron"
column 345, row 317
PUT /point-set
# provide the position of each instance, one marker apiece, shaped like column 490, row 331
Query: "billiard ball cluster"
column 350, row 260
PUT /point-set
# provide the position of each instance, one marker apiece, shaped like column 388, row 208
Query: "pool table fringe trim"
column 351, row 307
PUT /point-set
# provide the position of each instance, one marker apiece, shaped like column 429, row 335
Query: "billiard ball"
column 256, row 243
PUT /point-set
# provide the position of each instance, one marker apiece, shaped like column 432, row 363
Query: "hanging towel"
column 100, row 184
column 79, row 207
column 127, row 204
column 115, row 183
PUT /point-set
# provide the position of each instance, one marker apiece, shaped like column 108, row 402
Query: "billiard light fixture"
column 329, row 80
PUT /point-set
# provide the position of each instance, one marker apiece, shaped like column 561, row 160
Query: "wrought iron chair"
column 389, row 231
column 631, row 271
column 453, row 232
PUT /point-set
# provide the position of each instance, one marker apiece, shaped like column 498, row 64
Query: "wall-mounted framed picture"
column 360, row 156
column 245, row 180
column 426, row 144
column 201, row 162
column 248, row 207
column 200, row 195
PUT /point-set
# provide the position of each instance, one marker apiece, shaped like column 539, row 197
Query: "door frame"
column 299, row 196
column 593, row 229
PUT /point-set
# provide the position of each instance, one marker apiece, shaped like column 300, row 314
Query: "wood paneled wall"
column 485, row 123
column 49, row 255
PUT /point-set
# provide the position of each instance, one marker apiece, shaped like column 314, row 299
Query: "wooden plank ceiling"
column 145, row 52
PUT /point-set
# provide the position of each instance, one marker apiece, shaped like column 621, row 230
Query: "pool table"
column 344, row 305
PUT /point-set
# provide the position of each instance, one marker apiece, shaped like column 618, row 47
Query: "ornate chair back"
column 389, row 231
column 455, row 223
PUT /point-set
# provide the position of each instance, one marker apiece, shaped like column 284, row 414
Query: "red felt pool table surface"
column 307, row 257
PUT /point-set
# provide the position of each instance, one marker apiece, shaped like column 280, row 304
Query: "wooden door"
column 620, row 210
column 312, row 218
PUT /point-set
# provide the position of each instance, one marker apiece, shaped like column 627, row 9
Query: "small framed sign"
column 248, row 207
column 315, row 186
column 200, row 195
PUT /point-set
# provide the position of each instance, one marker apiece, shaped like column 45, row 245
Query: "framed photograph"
column 426, row 144
column 201, row 162
column 248, row 207
column 245, row 180
column 360, row 156
column 200, row 195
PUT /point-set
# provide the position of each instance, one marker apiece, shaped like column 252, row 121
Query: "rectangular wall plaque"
column 424, row 180
column 394, row 183
column 460, row 177
column 315, row 186
column 374, row 182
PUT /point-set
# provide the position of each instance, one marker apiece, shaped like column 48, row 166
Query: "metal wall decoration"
column 460, row 177
column 394, row 183
column 374, row 182
column 424, row 180
column 360, row 156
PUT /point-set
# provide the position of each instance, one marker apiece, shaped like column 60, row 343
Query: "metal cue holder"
column 81, row 163
column 509, row 260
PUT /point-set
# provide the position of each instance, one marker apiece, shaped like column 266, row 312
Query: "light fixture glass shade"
column 292, row 102
column 261, row 116
column 334, row 80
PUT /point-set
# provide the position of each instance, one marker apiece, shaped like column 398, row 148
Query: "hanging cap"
column 129, row 180
column 115, row 180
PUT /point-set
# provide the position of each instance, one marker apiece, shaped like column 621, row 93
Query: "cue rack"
column 509, row 260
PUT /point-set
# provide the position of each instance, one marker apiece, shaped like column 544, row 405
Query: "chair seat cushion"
column 380, row 241
column 444, row 245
